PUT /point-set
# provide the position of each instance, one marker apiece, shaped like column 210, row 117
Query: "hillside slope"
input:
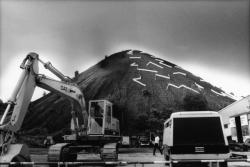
column 140, row 86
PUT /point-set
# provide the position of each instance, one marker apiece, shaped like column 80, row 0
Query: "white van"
column 195, row 135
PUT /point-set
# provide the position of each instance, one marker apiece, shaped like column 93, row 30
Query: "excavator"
column 94, row 129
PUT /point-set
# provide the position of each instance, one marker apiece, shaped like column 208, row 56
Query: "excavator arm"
column 19, row 101
column 72, row 92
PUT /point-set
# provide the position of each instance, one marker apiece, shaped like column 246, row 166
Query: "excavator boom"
column 24, row 90
column 19, row 101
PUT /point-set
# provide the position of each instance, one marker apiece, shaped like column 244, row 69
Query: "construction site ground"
column 126, row 154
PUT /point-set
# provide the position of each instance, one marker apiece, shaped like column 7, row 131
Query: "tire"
column 223, row 164
column 67, row 156
column 166, row 153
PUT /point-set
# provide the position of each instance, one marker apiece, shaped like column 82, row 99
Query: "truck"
column 93, row 128
column 195, row 136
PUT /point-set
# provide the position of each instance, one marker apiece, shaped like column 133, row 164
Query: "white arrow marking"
column 154, row 64
column 182, row 86
column 137, row 81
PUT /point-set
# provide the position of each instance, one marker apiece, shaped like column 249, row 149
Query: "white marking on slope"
column 199, row 86
column 224, row 94
column 202, row 80
column 162, row 76
column 182, row 86
column 154, row 64
column 134, row 64
column 231, row 96
column 130, row 52
column 221, row 94
column 161, row 62
column 137, row 81
column 135, row 57
column 181, row 73
column 142, row 69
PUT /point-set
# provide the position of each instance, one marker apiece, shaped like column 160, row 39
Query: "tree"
column 195, row 102
column 141, row 122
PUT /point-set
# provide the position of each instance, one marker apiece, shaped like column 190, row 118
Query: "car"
column 144, row 141
column 235, row 146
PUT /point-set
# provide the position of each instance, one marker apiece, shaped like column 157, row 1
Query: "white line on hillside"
column 154, row 64
column 142, row 69
column 181, row 73
column 182, row 86
column 202, row 80
column 162, row 76
column 231, row 96
column 137, row 81
column 221, row 94
column 224, row 94
column 199, row 86
column 135, row 57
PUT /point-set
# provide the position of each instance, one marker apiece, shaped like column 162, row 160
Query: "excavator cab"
column 101, row 120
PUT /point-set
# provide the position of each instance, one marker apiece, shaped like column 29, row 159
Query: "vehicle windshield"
column 199, row 130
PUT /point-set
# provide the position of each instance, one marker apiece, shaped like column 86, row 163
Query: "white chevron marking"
column 154, row 64
column 137, row 81
column 182, row 86
column 161, row 62
column 134, row 64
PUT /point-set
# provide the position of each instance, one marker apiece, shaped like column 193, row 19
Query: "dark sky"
column 208, row 38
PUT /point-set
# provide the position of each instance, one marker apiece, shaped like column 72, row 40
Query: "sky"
column 208, row 38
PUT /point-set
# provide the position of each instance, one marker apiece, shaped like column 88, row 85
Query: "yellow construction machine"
column 95, row 127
